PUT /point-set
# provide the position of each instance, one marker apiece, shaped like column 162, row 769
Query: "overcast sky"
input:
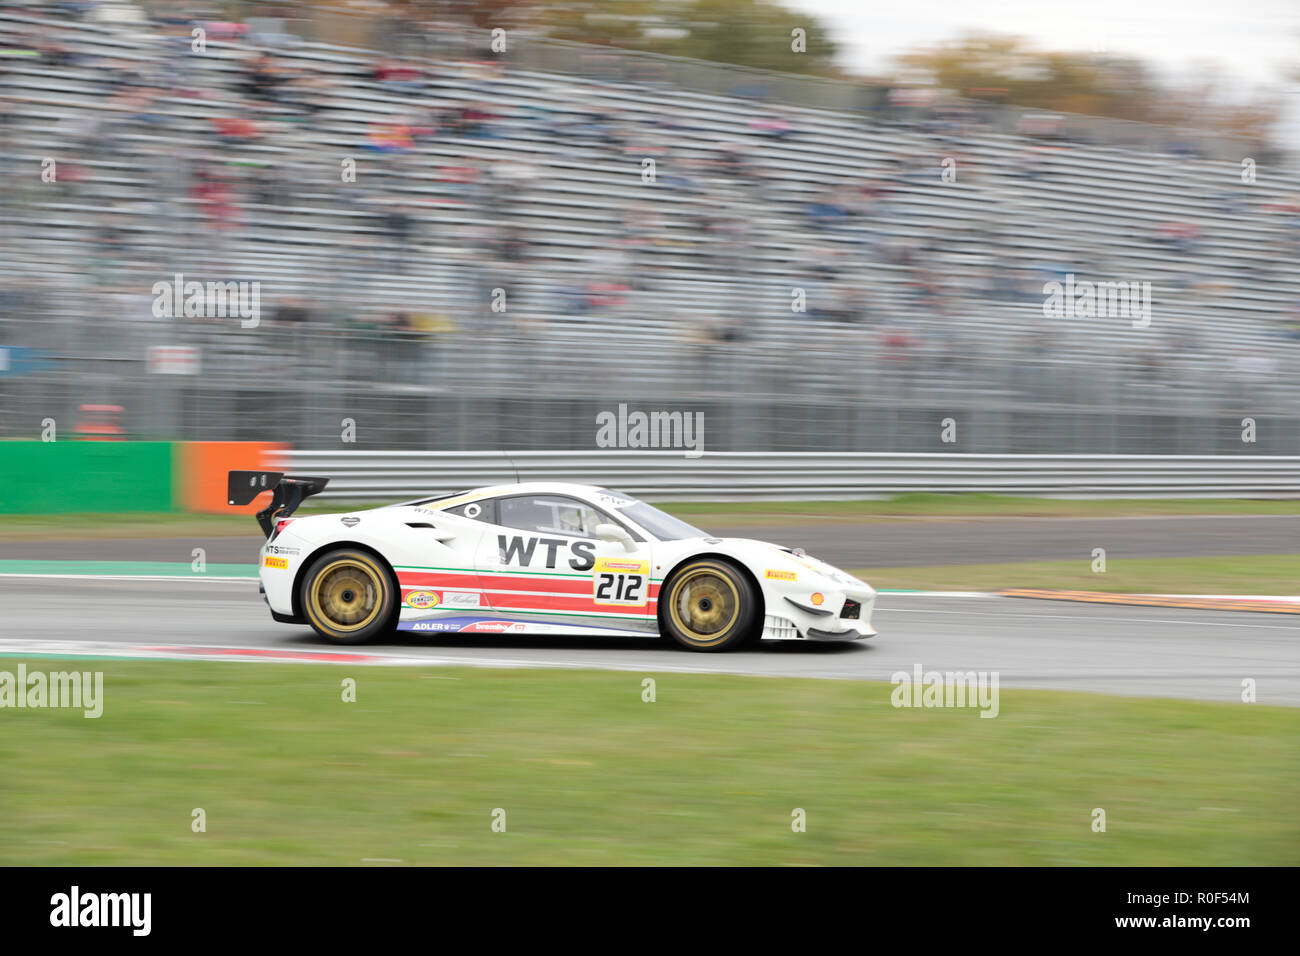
column 1251, row 42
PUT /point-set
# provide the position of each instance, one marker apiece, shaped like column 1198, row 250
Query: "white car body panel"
column 462, row 574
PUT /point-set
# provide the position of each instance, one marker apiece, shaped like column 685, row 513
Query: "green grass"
column 77, row 527
column 247, row 569
column 709, row 515
column 589, row 774
column 1245, row 574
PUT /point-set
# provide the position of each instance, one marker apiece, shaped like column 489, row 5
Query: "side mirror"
column 613, row 532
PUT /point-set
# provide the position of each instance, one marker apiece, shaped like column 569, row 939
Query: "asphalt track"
column 880, row 543
column 1129, row 651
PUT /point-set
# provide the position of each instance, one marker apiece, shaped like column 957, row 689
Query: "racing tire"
column 708, row 604
column 349, row 596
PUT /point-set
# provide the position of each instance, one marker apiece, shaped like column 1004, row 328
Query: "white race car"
column 538, row 558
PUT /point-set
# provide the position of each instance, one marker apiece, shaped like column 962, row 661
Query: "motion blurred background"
column 477, row 240
column 825, row 226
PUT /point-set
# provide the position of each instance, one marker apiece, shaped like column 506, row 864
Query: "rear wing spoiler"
column 287, row 493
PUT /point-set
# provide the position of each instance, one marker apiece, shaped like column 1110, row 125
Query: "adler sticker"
column 281, row 564
column 422, row 599
column 781, row 575
column 620, row 581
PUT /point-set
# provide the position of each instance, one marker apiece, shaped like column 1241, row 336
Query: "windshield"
column 659, row 523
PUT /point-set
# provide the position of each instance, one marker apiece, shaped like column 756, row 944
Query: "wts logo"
column 103, row 909
column 519, row 550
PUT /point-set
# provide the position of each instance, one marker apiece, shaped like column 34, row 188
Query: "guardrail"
column 725, row 476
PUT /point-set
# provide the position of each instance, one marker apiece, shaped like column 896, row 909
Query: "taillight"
column 280, row 526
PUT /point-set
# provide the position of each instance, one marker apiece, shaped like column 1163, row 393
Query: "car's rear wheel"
column 348, row 596
column 708, row 605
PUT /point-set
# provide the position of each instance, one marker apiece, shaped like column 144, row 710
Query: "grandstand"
column 924, row 297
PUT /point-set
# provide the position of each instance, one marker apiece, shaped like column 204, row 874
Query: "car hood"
column 785, row 557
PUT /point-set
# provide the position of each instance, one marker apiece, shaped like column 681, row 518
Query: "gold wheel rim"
column 346, row 594
column 704, row 604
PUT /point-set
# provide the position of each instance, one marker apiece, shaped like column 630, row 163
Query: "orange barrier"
column 1157, row 600
column 200, row 473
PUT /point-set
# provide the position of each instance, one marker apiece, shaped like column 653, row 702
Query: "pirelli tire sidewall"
column 737, row 629
column 362, row 577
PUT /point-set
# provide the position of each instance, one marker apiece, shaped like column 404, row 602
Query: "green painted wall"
column 75, row 476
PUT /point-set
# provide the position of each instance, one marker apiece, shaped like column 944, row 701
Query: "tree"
column 1004, row 69
column 753, row 33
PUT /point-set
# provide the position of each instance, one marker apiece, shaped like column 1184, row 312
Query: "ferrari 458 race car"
column 538, row 558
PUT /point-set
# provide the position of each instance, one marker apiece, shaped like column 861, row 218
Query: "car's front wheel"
column 708, row 605
column 348, row 596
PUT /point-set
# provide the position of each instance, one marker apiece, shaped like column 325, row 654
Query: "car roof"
column 569, row 488
column 542, row 487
